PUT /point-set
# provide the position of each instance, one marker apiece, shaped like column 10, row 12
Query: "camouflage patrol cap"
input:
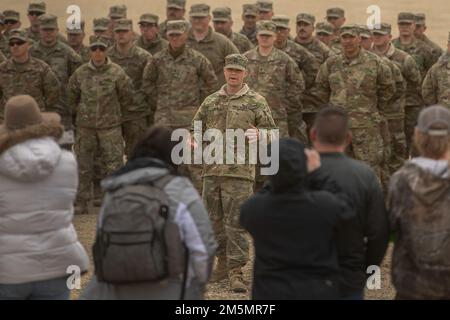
column 101, row 24
column 281, row 21
column 118, row 12
column 123, row 25
column 149, row 18
column 37, row 7
column 222, row 14
column 76, row 30
column 266, row 27
column 264, row 5
column 385, row 29
column 249, row 10
column 11, row 15
column 177, row 27
column 97, row 41
column 306, row 17
column 350, row 29
column 335, row 13
column 199, row 10
column 18, row 34
column 433, row 116
column 406, row 17
column 176, row 4
column 48, row 21
column 324, row 27
column 236, row 61
column 420, row 19
column 364, row 31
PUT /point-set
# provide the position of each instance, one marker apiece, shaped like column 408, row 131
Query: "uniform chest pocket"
column 240, row 117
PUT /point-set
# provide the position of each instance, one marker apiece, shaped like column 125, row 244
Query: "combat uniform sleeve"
column 124, row 87
column 322, row 88
column 386, row 87
column 264, row 119
column 412, row 74
column 429, row 89
column 208, row 78
column 310, row 67
column 200, row 115
column 229, row 48
column 73, row 94
column 75, row 61
column 52, row 92
column 295, row 86
column 149, row 85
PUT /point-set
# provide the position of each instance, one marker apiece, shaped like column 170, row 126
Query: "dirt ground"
column 437, row 11
column 85, row 226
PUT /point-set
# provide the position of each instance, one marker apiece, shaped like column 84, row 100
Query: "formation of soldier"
column 175, row 71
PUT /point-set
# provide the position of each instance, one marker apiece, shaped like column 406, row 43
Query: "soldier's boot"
column 220, row 272
column 81, row 207
column 237, row 283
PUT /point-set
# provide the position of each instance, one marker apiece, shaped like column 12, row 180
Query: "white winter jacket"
column 38, row 185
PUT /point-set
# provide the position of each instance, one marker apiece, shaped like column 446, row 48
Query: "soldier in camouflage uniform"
column 11, row 20
column 366, row 37
column 336, row 17
column 35, row 10
column 419, row 33
column 23, row 74
column 325, row 33
column 359, row 82
column 276, row 76
column 133, row 60
column 175, row 10
column 223, row 24
column 75, row 37
column 101, row 28
column 4, row 48
column 60, row 57
column 436, row 86
column 227, row 186
column 214, row 46
column 249, row 14
column 150, row 39
column 383, row 47
column 307, row 63
column 116, row 13
column 180, row 78
column 264, row 9
column 100, row 93
column 305, row 38
column 423, row 56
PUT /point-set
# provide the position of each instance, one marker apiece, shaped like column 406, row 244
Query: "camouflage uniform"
column 158, row 43
column 11, row 15
column 2, row 57
column 318, row 49
column 99, row 97
column 215, row 46
column 180, row 82
column 241, row 42
column 102, row 25
column 250, row 10
column 227, row 186
column 436, row 49
column 34, row 78
column 278, row 78
column 436, row 86
column 61, row 58
column 4, row 46
column 364, row 86
column 133, row 63
column 83, row 51
column 177, row 4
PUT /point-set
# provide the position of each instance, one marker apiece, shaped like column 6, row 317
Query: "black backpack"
column 136, row 239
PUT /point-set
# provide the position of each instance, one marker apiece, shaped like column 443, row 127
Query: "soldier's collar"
column 106, row 65
column 150, row 44
column 240, row 93
column 129, row 54
column 207, row 38
column 391, row 50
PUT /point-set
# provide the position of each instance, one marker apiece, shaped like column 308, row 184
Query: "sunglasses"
column 95, row 48
column 35, row 13
column 10, row 21
column 16, row 43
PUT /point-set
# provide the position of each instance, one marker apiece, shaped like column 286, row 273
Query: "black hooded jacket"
column 293, row 222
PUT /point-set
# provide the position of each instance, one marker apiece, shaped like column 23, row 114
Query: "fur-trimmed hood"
column 30, row 154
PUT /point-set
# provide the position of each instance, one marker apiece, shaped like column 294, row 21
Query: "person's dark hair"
column 155, row 143
column 332, row 125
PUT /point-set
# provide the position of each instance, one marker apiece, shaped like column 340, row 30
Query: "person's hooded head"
column 292, row 171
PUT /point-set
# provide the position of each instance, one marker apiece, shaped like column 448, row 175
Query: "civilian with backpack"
column 419, row 202
column 154, row 238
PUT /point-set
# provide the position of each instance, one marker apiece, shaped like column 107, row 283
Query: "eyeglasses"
column 10, row 21
column 16, row 43
column 35, row 13
column 95, row 48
